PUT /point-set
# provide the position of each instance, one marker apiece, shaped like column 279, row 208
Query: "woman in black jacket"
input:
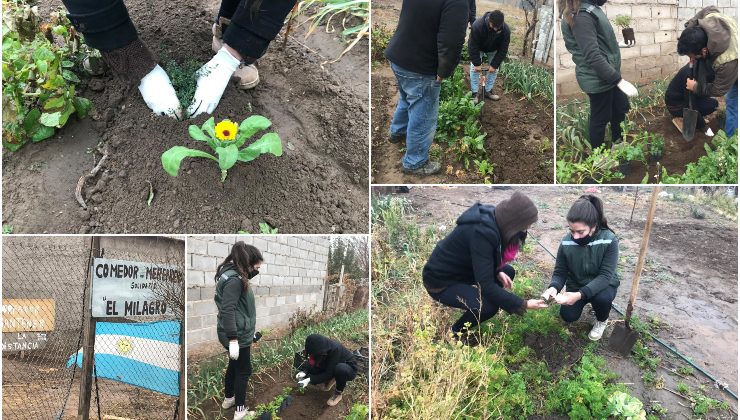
column 329, row 363
column 469, row 268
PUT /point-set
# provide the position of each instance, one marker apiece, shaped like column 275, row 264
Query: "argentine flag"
column 143, row 354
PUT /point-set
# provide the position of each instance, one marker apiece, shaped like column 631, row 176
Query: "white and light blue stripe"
column 146, row 354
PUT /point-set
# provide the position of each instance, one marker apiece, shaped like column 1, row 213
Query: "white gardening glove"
column 234, row 349
column 300, row 375
column 213, row 78
column 304, row 383
column 628, row 88
column 158, row 93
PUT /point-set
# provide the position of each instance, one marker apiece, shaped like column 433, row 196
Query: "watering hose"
column 656, row 339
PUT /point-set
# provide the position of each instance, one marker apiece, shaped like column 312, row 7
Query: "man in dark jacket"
column 424, row 50
column 712, row 37
column 469, row 268
column 106, row 26
column 677, row 97
column 329, row 363
column 489, row 36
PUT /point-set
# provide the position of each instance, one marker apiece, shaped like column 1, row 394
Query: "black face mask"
column 600, row 2
column 583, row 241
column 252, row 273
column 522, row 237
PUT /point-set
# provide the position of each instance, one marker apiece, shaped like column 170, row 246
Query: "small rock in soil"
column 122, row 174
column 96, row 85
column 83, row 214
column 109, row 114
column 177, row 223
column 97, row 198
column 83, row 230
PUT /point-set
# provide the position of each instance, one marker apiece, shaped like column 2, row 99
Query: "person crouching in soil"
column 469, row 269
column 329, row 363
column 587, row 265
column 236, row 322
column 677, row 97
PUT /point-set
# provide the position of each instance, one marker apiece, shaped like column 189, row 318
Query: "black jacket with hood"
column 471, row 254
column 327, row 354
column 483, row 39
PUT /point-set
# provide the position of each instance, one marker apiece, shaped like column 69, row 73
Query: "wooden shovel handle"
column 643, row 252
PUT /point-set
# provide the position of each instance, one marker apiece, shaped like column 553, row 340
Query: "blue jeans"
column 475, row 75
column 416, row 114
column 731, row 113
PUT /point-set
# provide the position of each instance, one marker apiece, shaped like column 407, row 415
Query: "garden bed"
column 319, row 113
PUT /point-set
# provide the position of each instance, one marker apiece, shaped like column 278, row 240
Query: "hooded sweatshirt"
column 721, row 33
column 483, row 39
column 324, row 355
column 471, row 254
column 236, row 310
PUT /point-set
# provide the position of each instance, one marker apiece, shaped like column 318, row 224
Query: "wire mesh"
column 43, row 299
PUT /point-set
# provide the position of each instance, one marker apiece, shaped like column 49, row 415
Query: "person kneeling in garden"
column 489, row 36
column 587, row 265
column 677, row 97
column 711, row 37
column 469, row 269
column 329, row 363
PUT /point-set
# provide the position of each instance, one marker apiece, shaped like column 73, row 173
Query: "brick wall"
column 291, row 278
column 657, row 25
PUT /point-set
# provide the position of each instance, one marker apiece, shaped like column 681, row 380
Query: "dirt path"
column 320, row 113
column 688, row 289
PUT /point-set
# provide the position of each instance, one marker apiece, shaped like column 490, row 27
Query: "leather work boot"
column 246, row 76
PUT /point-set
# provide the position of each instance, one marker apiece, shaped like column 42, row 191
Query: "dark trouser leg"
column 343, row 373
column 227, row 9
column 600, row 302
column 105, row 24
column 601, row 104
column 251, row 31
column 620, row 107
column 464, row 296
column 237, row 374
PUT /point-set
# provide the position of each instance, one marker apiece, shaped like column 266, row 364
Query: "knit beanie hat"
column 514, row 215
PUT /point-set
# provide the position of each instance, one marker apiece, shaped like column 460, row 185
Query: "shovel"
column 690, row 115
column 482, row 85
column 623, row 337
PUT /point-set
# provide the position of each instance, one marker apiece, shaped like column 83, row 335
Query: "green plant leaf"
column 41, row 132
column 68, row 75
column 196, row 133
column 82, row 106
column 269, row 143
column 55, row 102
column 51, row 120
column 210, row 127
column 250, row 127
column 227, row 156
column 31, row 120
column 68, row 110
column 172, row 158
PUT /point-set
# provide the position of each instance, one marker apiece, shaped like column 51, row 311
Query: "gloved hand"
column 628, row 88
column 304, row 383
column 213, row 78
column 257, row 337
column 300, row 375
column 234, row 349
column 158, row 93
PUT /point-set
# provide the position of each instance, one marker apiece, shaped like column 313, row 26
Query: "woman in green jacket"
column 236, row 321
column 590, row 39
column 587, row 265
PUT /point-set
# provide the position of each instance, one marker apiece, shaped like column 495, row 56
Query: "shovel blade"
column 690, row 117
column 623, row 339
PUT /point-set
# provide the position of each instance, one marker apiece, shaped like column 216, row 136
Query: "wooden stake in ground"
column 623, row 337
column 88, row 339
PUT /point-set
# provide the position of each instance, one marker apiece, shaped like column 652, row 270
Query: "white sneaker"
column 597, row 331
column 238, row 415
column 228, row 403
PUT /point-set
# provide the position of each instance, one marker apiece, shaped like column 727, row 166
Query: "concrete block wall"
column 291, row 278
column 657, row 25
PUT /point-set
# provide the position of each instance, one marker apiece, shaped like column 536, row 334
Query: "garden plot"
column 320, row 113
column 535, row 366
column 508, row 141
column 652, row 148
column 273, row 388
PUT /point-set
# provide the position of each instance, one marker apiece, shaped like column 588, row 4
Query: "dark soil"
column 678, row 152
column 320, row 113
column 516, row 131
column 555, row 351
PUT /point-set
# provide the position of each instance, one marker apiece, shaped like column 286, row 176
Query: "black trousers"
column 479, row 306
column 607, row 107
column 107, row 25
column 705, row 105
column 237, row 374
column 601, row 302
column 344, row 373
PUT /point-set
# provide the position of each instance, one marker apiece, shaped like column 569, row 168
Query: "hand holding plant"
column 225, row 138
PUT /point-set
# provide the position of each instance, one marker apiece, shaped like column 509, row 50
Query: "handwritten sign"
column 22, row 341
column 27, row 315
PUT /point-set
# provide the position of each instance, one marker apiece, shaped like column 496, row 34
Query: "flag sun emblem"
column 124, row 346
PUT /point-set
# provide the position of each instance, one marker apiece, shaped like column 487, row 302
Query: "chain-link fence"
column 137, row 354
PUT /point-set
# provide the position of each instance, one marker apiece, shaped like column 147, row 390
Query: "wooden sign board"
column 28, row 315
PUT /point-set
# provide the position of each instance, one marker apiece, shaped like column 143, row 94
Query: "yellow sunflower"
column 226, row 130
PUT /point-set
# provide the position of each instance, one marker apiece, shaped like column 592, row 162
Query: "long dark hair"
column 568, row 9
column 243, row 257
column 588, row 209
